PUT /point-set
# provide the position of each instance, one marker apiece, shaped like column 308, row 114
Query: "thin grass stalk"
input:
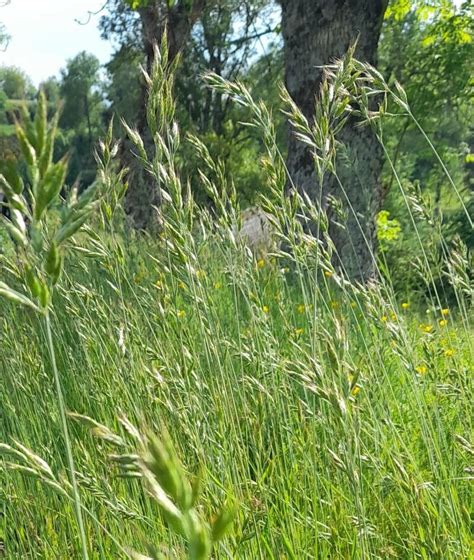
column 67, row 439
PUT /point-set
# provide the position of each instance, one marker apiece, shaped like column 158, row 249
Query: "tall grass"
column 337, row 416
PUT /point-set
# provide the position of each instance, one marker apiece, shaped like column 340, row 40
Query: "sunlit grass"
column 337, row 416
column 339, row 428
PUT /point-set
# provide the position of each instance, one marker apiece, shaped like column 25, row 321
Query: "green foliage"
column 135, row 4
column 3, row 107
column 81, row 115
column 434, row 63
column 124, row 87
column 387, row 230
column 52, row 90
column 77, row 81
column 15, row 83
column 426, row 46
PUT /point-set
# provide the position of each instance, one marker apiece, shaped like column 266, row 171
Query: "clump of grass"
column 155, row 461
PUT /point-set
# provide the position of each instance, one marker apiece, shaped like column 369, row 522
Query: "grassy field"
column 339, row 424
column 335, row 419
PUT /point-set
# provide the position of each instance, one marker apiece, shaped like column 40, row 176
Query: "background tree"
column 315, row 32
column 228, row 41
column 224, row 42
column 78, row 79
column 123, row 86
column 15, row 83
column 217, row 36
column 81, row 116
column 52, row 90
column 153, row 18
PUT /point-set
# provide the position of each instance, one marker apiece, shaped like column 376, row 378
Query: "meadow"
column 254, row 402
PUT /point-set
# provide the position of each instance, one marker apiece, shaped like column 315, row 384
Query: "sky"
column 44, row 34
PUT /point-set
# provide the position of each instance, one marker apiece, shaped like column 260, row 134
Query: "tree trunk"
column 316, row 32
column 143, row 196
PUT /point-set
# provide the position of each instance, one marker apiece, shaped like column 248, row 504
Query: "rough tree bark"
column 143, row 196
column 315, row 32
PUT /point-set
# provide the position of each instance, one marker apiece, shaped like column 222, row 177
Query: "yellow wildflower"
column 334, row 304
column 200, row 274
column 217, row 285
column 405, row 305
column 265, row 309
column 443, row 323
column 384, row 318
column 299, row 331
column 181, row 313
column 261, row 263
column 182, row 285
column 301, row 308
column 449, row 352
column 393, row 317
column 355, row 390
column 445, row 312
column 421, row 369
column 327, row 273
column 426, row 328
